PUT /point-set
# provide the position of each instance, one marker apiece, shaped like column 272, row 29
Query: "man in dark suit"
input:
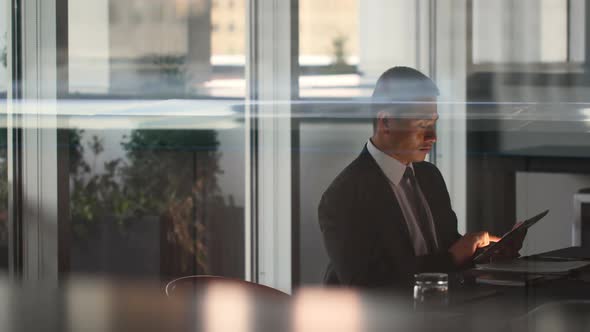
column 388, row 215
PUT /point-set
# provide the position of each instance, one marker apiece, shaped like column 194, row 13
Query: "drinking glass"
column 431, row 290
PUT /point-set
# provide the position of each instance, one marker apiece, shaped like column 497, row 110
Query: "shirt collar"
column 393, row 168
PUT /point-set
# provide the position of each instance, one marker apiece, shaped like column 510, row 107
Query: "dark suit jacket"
column 366, row 235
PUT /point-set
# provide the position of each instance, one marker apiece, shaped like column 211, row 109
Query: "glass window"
column 513, row 107
column 508, row 31
column 152, row 128
column 329, row 49
column 344, row 46
column 527, row 117
column 154, row 139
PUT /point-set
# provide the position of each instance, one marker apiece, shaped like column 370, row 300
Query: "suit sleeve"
column 348, row 244
column 451, row 217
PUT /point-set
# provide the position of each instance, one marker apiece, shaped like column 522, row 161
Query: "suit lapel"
column 386, row 206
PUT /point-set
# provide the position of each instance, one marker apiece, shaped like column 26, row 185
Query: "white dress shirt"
column 394, row 171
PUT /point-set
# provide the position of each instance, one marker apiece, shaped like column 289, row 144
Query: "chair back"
column 200, row 283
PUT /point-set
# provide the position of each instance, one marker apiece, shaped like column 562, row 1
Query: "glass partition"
column 162, row 169
column 513, row 126
column 527, row 125
column 344, row 47
column 153, row 132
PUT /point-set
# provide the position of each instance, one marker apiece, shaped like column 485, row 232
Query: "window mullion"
column 269, row 140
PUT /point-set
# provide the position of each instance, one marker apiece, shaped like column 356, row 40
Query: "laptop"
column 489, row 251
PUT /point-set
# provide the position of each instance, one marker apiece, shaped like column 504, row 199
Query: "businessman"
column 388, row 215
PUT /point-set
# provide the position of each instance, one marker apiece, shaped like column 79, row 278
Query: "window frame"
column 37, row 195
column 14, row 139
column 271, row 85
column 33, row 198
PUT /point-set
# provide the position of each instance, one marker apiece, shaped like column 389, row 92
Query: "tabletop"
column 82, row 304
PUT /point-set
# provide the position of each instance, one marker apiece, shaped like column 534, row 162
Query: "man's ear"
column 383, row 117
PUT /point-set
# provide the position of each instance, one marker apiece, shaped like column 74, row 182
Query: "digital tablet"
column 490, row 250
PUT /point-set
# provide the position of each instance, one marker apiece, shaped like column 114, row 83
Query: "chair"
column 200, row 283
column 225, row 304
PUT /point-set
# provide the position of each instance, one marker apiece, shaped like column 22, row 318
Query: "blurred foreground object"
column 218, row 304
column 193, row 284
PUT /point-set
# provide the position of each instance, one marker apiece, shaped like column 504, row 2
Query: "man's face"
column 411, row 137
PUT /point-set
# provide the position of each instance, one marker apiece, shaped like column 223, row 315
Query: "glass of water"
column 431, row 290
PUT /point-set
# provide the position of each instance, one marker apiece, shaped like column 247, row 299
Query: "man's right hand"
column 463, row 250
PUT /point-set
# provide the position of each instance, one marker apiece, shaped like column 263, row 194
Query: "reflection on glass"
column 527, row 87
column 508, row 31
column 329, row 49
column 161, row 196
column 346, row 45
column 514, row 90
column 158, row 49
column 149, row 202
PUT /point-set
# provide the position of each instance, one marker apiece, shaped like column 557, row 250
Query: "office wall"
column 387, row 36
column 326, row 148
column 536, row 192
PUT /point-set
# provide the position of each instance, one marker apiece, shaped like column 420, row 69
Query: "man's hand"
column 463, row 250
